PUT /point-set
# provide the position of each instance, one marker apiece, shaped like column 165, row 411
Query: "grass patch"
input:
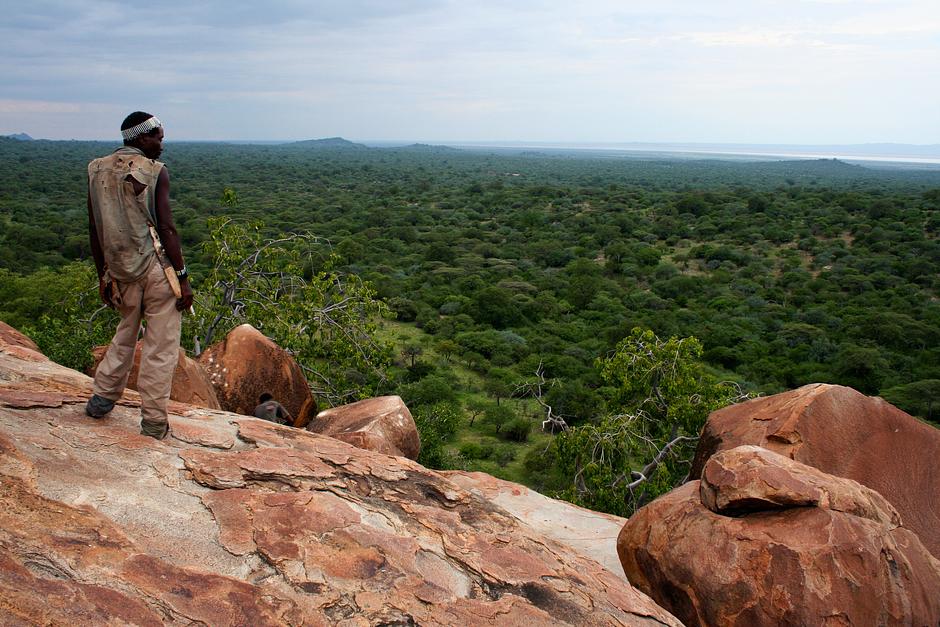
column 476, row 447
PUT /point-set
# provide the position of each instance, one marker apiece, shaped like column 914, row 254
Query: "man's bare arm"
column 166, row 228
column 170, row 239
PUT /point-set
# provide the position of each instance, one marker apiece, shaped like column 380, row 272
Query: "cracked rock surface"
column 590, row 533
column 765, row 540
column 237, row 521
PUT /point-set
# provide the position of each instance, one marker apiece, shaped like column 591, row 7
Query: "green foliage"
column 788, row 272
column 437, row 423
column 861, row 367
column 920, row 398
column 543, row 471
column 501, row 454
column 428, row 391
column 500, row 383
column 476, row 406
column 475, row 450
column 576, row 402
column 663, row 379
column 498, row 416
column 61, row 311
column 518, row 430
column 229, row 198
column 663, row 395
column 288, row 288
column 494, row 306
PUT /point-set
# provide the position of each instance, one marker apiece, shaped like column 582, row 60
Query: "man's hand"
column 186, row 301
column 104, row 291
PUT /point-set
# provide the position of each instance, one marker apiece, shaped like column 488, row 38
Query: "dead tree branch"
column 535, row 389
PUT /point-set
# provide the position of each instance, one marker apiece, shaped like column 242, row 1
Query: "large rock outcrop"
column 765, row 540
column 19, row 344
column 191, row 383
column 590, row 533
column 247, row 364
column 844, row 433
column 238, row 521
column 382, row 424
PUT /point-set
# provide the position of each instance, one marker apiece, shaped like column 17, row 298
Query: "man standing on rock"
column 134, row 242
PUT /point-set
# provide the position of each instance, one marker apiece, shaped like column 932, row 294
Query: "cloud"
column 9, row 106
column 439, row 68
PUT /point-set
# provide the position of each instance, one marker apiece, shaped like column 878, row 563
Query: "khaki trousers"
column 152, row 299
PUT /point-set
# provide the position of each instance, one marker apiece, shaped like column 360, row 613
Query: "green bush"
column 436, row 425
column 475, row 450
column 430, row 390
column 68, row 342
column 517, row 430
column 502, row 455
column 60, row 310
column 498, row 416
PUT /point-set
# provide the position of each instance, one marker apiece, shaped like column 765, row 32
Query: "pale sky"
column 749, row 71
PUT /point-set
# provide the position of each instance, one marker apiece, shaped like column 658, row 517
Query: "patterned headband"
column 144, row 127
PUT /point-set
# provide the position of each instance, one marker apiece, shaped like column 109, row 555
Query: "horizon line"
column 520, row 143
column 887, row 152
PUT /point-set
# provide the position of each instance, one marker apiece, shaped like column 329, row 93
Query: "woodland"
column 565, row 320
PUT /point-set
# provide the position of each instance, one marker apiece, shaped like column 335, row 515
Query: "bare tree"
column 536, row 389
column 327, row 319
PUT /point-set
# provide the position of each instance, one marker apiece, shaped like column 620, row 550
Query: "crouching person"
column 270, row 410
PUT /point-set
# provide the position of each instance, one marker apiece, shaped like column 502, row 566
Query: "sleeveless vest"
column 120, row 214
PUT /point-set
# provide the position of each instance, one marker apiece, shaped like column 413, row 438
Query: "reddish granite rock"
column 18, row 345
column 844, row 433
column 243, row 522
column 381, row 424
column 592, row 534
column 780, row 543
column 247, row 364
column 12, row 337
column 191, row 383
column 751, row 478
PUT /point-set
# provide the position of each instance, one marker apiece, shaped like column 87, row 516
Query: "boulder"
column 765, row 540
column 191, row 383
column 247, row 364
column 236, row 521
column 14, row 342
column 381, row 424
column 844, row 433
column 12, row 337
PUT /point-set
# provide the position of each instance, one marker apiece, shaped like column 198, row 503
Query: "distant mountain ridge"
column 23, row 137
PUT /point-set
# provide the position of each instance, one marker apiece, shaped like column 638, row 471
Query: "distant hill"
column 23, row 137
column 329, row 142
column 821, row 166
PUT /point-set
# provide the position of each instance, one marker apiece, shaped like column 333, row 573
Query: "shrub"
column 499, row 416
column 502, row 455
column 436, row 425
column 517, row 430
column 476, row 450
